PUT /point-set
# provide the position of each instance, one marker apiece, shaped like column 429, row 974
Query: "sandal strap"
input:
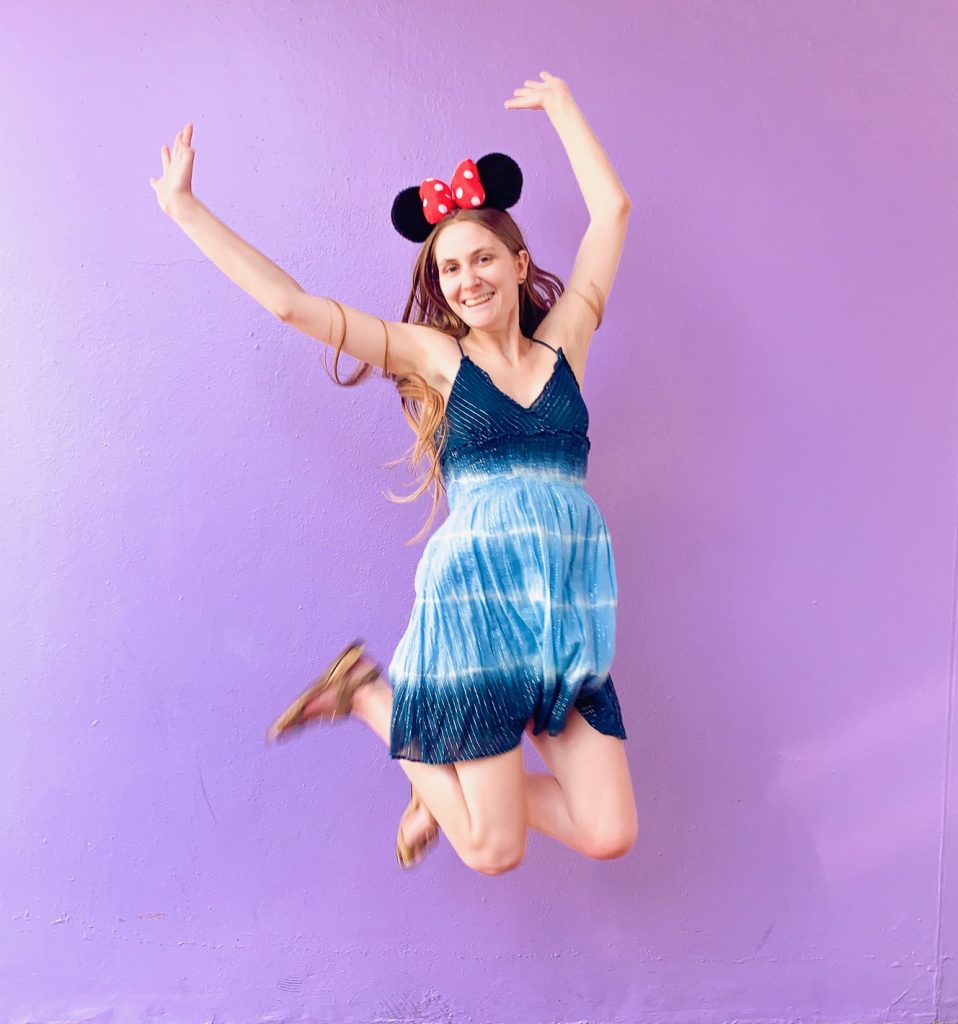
column 348, row 688
column 334, row 676
column 292, row 717
column 407, row 855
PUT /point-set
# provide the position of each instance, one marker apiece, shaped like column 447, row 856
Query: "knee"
column 496, row 864
column 495, row 858
column 610, row 842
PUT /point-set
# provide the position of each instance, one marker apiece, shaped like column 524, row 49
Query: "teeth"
column 478, row 302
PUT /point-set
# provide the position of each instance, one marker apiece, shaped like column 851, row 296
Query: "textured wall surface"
column 192, row 518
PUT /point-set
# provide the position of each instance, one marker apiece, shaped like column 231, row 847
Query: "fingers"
column 523, row 97
column 181, row 146
column 546, row 79
column 530, row 90
column 547, row 82
column 184, row 137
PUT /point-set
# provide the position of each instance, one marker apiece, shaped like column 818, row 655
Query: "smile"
column 477, row 302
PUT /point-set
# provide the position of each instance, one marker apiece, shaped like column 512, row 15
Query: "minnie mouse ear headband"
column 494, row 180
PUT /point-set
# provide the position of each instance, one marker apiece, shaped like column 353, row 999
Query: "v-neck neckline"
column 509, row 398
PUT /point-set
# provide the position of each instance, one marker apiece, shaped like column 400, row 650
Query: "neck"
column 508, row 343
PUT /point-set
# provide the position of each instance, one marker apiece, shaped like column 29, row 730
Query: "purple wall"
column 192, row 517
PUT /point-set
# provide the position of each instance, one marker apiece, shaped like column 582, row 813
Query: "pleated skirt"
column 513, row 621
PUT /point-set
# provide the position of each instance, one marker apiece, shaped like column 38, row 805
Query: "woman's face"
column 478, row 275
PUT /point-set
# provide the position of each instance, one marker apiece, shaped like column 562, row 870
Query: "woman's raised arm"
column 270, row 285
column 606, row 199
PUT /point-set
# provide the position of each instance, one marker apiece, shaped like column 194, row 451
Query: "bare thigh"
column 494, row 792
column 593, row 772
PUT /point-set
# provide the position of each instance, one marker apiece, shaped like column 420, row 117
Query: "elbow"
column 616, row 208
column 283, row 310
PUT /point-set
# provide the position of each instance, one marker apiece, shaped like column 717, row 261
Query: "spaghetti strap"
column 461, row 353
column 547, row 345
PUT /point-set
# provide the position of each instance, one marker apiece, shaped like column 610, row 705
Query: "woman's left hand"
column 551, row 92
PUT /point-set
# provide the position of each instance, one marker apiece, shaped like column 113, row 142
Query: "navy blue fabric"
column 514, row 614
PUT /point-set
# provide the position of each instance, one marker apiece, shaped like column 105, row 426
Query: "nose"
column 470, row 280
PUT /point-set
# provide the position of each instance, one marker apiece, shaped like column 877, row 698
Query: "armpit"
column 597, row 305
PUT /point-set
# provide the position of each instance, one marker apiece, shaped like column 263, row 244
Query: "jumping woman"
column 513, row 625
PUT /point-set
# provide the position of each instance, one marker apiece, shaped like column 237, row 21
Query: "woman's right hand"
column 177, row 179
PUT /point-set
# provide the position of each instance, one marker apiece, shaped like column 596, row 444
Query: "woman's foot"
column 330, row 697
column 418, row 830
column 324, row 706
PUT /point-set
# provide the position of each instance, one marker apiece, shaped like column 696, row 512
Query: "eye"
column 449, row 267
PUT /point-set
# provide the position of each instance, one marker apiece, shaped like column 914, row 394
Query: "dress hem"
column 614, row 728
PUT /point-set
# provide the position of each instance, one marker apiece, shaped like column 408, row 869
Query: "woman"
column 512, row 628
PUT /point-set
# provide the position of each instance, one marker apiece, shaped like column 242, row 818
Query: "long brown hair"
column 422, row 405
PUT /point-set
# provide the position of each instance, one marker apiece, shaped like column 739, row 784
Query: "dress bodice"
column 487, row 431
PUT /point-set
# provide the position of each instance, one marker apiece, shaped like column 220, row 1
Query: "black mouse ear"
column 501, row 178
column 407, row 216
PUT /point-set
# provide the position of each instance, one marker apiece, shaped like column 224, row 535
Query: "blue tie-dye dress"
column 514, row 614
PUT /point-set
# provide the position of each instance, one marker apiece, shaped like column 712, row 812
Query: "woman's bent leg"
column 485, row 806
column 479, row 804
column 589, row 804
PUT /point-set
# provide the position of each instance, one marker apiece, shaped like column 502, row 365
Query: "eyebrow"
column 475, row 252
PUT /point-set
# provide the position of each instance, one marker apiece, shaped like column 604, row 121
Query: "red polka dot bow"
column 440, row 199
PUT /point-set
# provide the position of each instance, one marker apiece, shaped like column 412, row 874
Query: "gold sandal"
column 409, row 856
column 336, row 675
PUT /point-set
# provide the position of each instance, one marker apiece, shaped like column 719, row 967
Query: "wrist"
column 181, row 205
column 562, row 107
